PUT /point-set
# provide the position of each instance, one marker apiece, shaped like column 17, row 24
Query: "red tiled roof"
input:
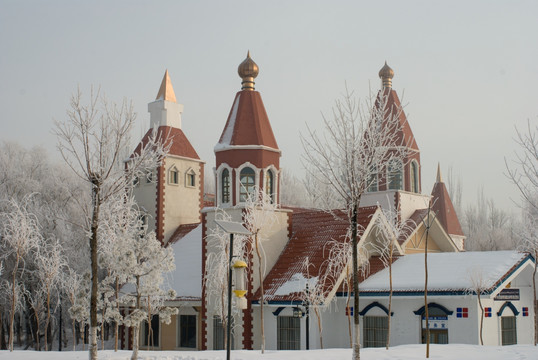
column 181, row 231
column 394, row 107
column 312, row 232
column 250, row 123
column 442, row 206
column 180, row 145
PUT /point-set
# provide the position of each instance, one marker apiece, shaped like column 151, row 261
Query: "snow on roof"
column 226, row 138
column 446, row 271
column 186, row 280
column 296, row 284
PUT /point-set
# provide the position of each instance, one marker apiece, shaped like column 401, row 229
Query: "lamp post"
column 231, row 228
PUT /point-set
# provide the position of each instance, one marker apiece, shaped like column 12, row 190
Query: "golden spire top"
column 248, row 70
column 439, row 178
column 166, row 91
column 386, row 74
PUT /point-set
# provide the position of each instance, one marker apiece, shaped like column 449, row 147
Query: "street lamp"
column 232, row 228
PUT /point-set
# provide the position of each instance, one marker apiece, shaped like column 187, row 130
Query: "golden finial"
column 166, row 91
column 386, row 74
column 248, row 70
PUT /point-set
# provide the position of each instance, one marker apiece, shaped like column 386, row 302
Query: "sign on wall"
column 436, row 322
column 507, row 294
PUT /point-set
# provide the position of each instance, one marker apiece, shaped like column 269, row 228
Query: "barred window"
column 219, row 331
column 269, row 185
column 375, row 331
column 225, row 184
column 508, row 330
column 247, row 180
column 288, row 333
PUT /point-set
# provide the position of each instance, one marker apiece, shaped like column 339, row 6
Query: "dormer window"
column 190, row 178
column 394, row 175
column 225, row 186
column 247, row 179
column 173, row 176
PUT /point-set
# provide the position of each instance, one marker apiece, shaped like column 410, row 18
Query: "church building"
column 299, row 243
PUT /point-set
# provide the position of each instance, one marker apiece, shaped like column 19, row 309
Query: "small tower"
column 399, row 183
column 171, row 195
column 444, row 209
column 247, row 155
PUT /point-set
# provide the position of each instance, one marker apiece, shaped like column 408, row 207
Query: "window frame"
column 379, row 334
column 398, row 175
column 244, row 191
column 181, row 328
column 288, row 333
column 413, row 176
column 144, row 328
column 190, row 178
column 173, row 174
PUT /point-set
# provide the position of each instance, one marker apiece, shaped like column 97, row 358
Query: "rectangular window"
column 174, row 177
column 288, row 333
column 508, row 330
column 149, row 336
column 187, row 331
column 375, row 331
column 525, row 311
column 219, row 331
column 487, row 312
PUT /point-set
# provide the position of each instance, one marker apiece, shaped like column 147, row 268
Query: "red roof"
column 394, row 107
column 248, row 123
column 443, row 208
column 312, row 232
column 180, row 145
column 181, row 231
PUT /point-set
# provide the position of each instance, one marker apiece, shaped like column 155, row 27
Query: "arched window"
column 247, row 179
column 173, row 177
column 269, row 185
column 394, row 175
column 414, row 177
column 225, row 186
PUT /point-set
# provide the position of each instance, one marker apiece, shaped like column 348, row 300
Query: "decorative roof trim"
column 373, row 305
column 224, row 147
column 435, row 306
column 509, row 305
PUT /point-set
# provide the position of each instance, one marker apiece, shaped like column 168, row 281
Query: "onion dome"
column 386, row 74
column 248, row 70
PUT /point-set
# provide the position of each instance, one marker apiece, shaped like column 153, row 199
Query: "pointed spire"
column 386, row 74
column 166, row 91
column 439, row 178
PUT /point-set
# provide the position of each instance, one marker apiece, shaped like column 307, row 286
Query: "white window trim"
column 219, row 184
column 276, row 177
column 172, row 169
column 416, row 174
column 238, row 179
column 190, row 171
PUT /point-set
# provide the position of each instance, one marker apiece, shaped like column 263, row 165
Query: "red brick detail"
column 260, row 158
column 203, row 313
column 247, row 313
column 202, row 180
column 159, row 218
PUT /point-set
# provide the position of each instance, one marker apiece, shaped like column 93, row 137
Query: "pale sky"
column 465, row 69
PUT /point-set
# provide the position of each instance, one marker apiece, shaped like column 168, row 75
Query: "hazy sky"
column 465, row 69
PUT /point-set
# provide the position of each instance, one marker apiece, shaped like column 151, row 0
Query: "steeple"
column 444, row 209
column 165, row 111
column 166, row 91
column 247, row 155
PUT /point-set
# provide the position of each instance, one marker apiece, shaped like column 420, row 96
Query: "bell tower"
column 247, row 155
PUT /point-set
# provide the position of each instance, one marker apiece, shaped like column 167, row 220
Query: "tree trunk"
column 136, row 332
column 47, row 322
column 356, row 325
column 348, row 300
column 390, row 297
column 74, row 336
column 320, row 329
column 535, row 303
column 116, row 323
column 13, row 290
column 481, row 317
column 426, row 286
column 261, row 291
column 94, row 269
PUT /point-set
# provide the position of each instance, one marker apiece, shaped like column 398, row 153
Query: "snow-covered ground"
column 404, row 352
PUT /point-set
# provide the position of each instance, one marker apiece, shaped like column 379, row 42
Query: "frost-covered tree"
column 92, row 141
column 19, row 236
column 293, row 190
column 215, row 277
column 523, row 170
column 259, row 217
column 478, row 286
column 358, row 141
